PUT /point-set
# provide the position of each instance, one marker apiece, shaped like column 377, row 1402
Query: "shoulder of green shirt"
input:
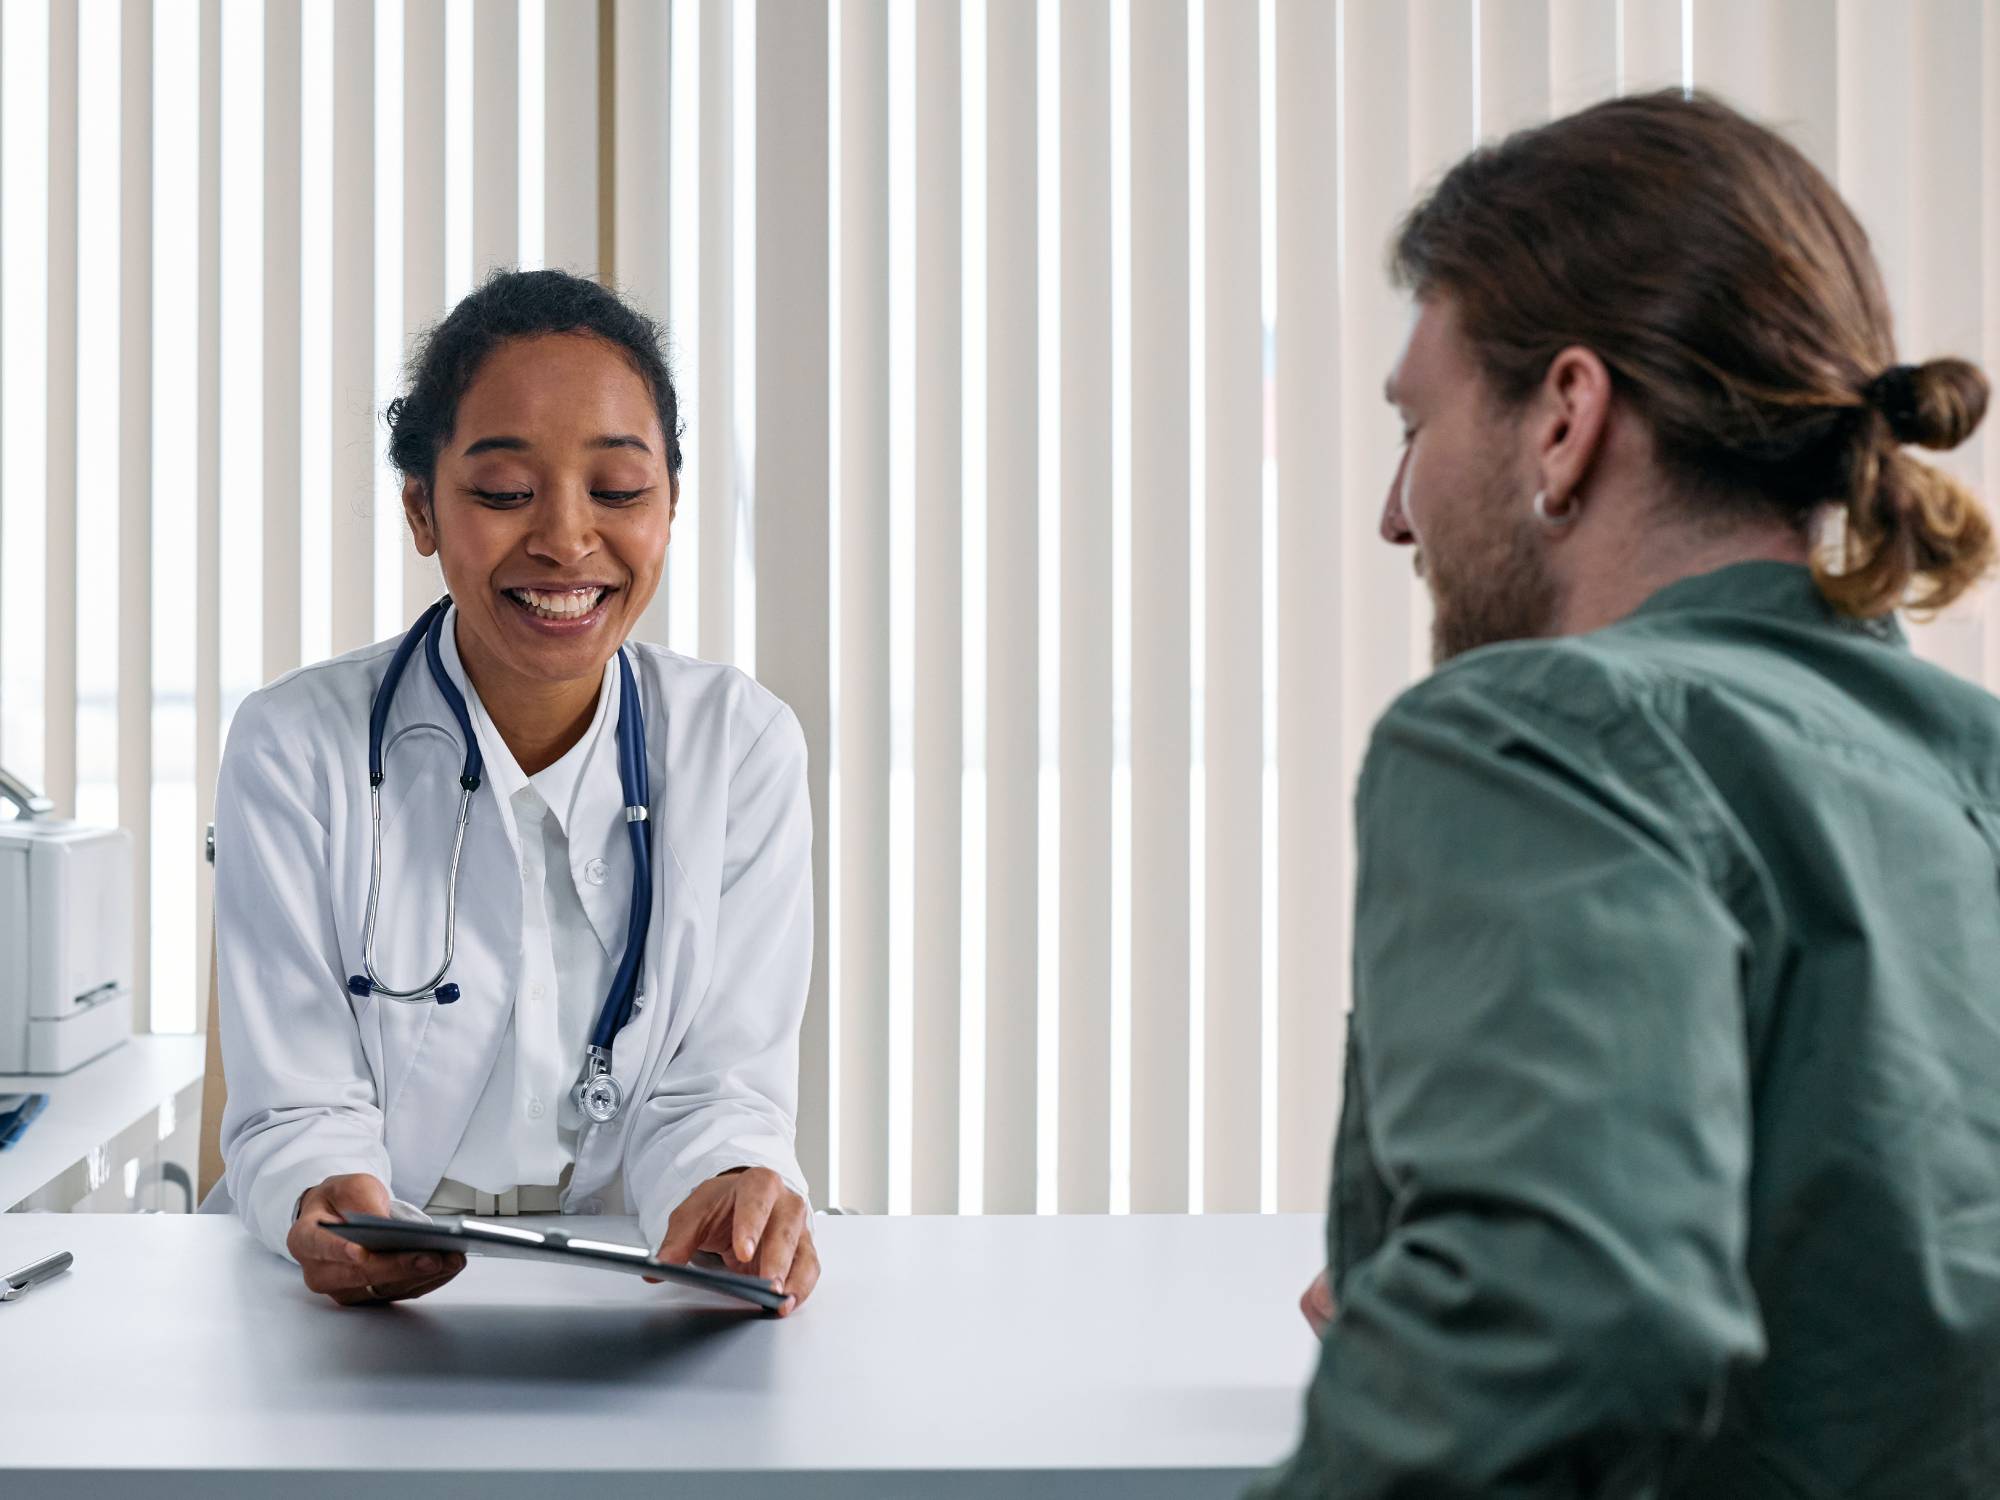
column 1598, row 715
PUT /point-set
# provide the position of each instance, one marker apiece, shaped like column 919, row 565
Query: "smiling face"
column 549, row 512
column 1462, row 492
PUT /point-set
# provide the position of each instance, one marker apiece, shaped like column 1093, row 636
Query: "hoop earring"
column 1555, row 520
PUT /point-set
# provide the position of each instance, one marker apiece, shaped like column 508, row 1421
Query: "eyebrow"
column 504, row 444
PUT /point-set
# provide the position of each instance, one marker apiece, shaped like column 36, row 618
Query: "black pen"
column 34, row 1273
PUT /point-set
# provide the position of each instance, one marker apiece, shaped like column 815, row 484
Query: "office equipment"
column 34, row 1274
column 65, row 937
column 482, row 1237
column 941, row 1357
column 596, row 1092
column 17, row 1112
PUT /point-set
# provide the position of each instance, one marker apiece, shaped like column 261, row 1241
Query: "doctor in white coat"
column 539, row 446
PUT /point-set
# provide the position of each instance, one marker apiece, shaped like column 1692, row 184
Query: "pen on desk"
column 35, row 1273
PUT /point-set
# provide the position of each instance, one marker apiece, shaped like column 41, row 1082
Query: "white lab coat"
column 322, row 1083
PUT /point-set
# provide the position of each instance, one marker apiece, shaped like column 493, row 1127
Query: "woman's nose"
column 565, row 531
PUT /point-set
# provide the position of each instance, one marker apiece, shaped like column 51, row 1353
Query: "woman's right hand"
column 343, row 1270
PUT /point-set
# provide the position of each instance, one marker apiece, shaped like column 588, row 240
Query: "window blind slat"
column 1013, row 590
column 1651, row 57
column 1513, row 85
column 792, row 541
column 570, row 178
column 1941, row 311
column 60, row 538
column 352, row 387
column 280, row 417
column 1083, row 1108
column 1312, row 832
column 715, row 406
column 496, row 145
column 1233, row 579
column 423, row 226
column 939, row 729
column 1583, row 53
column 1162, row 732
column 645, row 109
column 135, row 490
column 864, row 665
column 1378, row 587
column 1989, row 133
column 208, row 490
column 1732, row 51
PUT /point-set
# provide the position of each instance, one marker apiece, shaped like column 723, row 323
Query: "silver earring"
column 1555, row 520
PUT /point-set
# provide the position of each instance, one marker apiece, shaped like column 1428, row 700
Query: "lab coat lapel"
column 673, row 952
column 596, row 830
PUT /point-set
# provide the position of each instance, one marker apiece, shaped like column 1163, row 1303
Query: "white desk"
column 113, row 1111
column 1155, row 1357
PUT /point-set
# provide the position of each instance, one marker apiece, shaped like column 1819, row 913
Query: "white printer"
column 65, row 937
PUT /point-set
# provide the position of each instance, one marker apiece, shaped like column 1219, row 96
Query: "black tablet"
column 517, row 1242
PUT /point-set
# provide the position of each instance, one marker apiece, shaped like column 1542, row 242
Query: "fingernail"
column 429, row 1263
column 745, row 1248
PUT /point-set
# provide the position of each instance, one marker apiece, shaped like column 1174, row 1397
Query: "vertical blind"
column 1030, row 355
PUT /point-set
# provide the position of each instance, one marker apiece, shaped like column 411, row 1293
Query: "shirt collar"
column 1783, row 590
column 559, row 785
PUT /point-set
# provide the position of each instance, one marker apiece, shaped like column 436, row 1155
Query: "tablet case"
column 516, row 1242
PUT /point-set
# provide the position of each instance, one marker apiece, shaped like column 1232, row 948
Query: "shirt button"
column 536, row 991
column 534, row 1109
column 596, row 872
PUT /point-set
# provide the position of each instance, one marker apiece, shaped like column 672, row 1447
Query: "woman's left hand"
column 755, row 1223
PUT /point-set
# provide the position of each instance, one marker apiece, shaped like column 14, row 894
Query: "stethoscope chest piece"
column 598, row 1094
column 601, row 1099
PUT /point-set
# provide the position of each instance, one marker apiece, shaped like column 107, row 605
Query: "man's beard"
column 1492, row 582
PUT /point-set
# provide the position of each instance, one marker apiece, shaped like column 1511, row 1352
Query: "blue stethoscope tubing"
column 597, row 1093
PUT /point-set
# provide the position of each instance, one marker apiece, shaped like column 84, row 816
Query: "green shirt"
column 1669, row 1162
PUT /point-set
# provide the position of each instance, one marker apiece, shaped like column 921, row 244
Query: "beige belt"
column 456, row 1198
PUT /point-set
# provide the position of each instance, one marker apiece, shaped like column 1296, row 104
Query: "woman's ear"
column 423, row 520
column 1577, row 400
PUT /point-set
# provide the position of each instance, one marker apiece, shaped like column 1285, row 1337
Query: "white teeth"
column 565, row 604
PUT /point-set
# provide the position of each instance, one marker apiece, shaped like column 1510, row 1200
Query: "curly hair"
column 514, row 305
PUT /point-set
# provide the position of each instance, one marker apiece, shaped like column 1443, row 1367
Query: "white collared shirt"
column 524, row 1128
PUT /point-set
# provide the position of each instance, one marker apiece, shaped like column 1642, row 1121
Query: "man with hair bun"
column 1669, row 1157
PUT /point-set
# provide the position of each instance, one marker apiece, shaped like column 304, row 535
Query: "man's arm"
column 1550, row 1021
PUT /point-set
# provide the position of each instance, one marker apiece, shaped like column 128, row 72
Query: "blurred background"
column 1031, row 354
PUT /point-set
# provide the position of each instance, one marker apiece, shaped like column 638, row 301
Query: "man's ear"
column 1576, row 399
column 418, row 512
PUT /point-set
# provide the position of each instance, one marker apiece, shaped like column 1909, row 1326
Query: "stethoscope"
column 596, row 1092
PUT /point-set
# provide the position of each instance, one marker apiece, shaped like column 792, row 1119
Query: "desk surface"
column 89, row 1106
column 1155, row 1356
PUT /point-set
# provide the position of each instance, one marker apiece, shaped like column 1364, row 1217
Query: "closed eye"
column 501, row 499
column 620, row 497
